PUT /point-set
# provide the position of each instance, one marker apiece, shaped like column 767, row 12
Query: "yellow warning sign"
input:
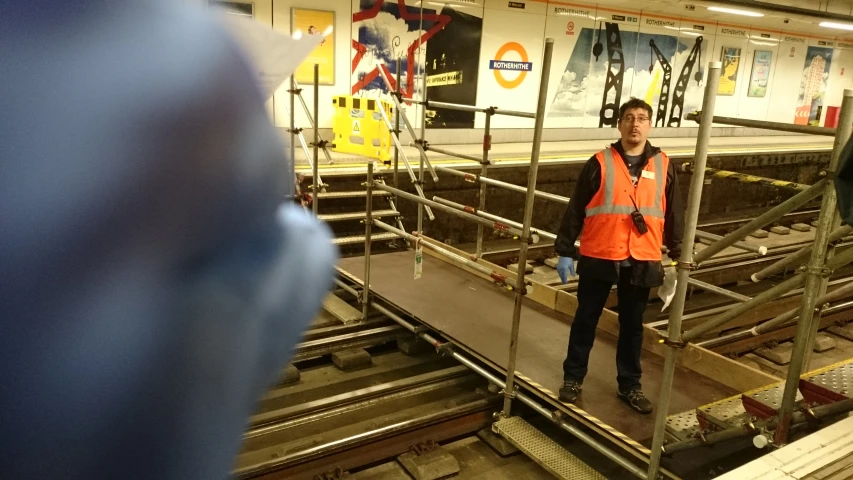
column 356, row 128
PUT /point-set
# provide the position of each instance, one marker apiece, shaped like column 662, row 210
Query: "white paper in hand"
column 275, row 56
column 667, row 290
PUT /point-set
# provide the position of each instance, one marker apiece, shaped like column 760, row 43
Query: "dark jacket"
column 645, row 274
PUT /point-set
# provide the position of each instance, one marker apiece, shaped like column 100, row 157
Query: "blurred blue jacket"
column 152, row 285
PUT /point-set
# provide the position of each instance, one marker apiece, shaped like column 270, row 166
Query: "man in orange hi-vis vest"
column 626, row 202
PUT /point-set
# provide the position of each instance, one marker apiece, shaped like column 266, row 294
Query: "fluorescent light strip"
column 735, row 11
column 841, row 26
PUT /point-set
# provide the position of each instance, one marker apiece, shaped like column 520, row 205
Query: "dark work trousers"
column 592, row 294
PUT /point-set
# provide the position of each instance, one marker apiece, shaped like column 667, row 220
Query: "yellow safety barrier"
column 359, row 127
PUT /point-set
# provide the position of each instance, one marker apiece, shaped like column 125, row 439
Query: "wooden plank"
column 341, row 310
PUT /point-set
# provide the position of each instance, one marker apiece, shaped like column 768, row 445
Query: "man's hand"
column 565, row 266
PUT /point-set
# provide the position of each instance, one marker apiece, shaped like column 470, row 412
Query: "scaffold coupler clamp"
column 672, row 343
column 507, row 394
column 423, row 143
column 444, row 349
column 686, row 265
column 297, row 91
column 821, row 271
column 490, row 110
column 828, row 174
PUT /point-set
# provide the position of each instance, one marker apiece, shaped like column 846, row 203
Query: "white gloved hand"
column 667, row 290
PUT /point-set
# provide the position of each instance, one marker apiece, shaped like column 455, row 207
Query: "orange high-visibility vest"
column 608, row 231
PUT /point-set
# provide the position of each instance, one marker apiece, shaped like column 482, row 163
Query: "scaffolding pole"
column 759, row 249
column 397, row 98
column 323, row 143
column 798, row 256
column 296, row 133
column 472, row 177
column 744, row 178
column 786, row 317
column 471, row 108
column 762, row 220
column 509, row 390
column 293, row 121
column 396, row 131
column 698, row 117
column 419, row 143
column 484, row 169
column 770, row 294
column 751, row 428
column 684, row 265
column 535, row 234
column 443, row 151
column 315, row 204
column 456, row 258
column 412, row 175
column 499, row 226
column 816, row 274
column 718, row 290
column 368, row 224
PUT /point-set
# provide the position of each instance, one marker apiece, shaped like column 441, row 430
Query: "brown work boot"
column 636, row 400
column 570, row 390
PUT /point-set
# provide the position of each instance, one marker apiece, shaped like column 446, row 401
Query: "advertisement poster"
column 760, row 73
column 452, row 63
column 813, row 83
column 728, row 75
column 316, row 22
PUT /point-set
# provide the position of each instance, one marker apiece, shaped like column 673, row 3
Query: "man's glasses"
column 633, row 119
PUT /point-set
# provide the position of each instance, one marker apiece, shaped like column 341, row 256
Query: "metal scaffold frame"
column 522, row 231
column 423, row 146
column 821, row 263
column 313, row 157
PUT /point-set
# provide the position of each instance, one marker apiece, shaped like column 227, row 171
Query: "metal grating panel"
column 544, row 451
column 683, row 426
column 360, row 239
column 337, row 217
column 838, row 380
column 725, row 413
column 765, row 403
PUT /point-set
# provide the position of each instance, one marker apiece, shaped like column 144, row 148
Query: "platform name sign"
column 653, row 22
column 572, row 12
column 516, row 5
column 498, row 65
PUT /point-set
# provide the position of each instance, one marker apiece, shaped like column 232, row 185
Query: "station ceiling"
column 801, row 16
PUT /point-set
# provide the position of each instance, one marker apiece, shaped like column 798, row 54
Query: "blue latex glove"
column 565, row 266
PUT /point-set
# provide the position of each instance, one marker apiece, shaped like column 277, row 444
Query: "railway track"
column 335, row 419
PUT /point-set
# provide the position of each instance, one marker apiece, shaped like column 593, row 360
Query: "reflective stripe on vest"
column 609, row 189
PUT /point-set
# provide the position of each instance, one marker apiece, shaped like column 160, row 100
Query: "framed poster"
column 760, row 75
column 316, row 22
column 730, row 57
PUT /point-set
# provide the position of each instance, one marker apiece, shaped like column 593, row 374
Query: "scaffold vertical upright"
column 816, row 274
column 684, row 265
column 533, row 170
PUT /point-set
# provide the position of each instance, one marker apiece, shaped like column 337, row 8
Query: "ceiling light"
column 735, row 11
column 842, row 26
